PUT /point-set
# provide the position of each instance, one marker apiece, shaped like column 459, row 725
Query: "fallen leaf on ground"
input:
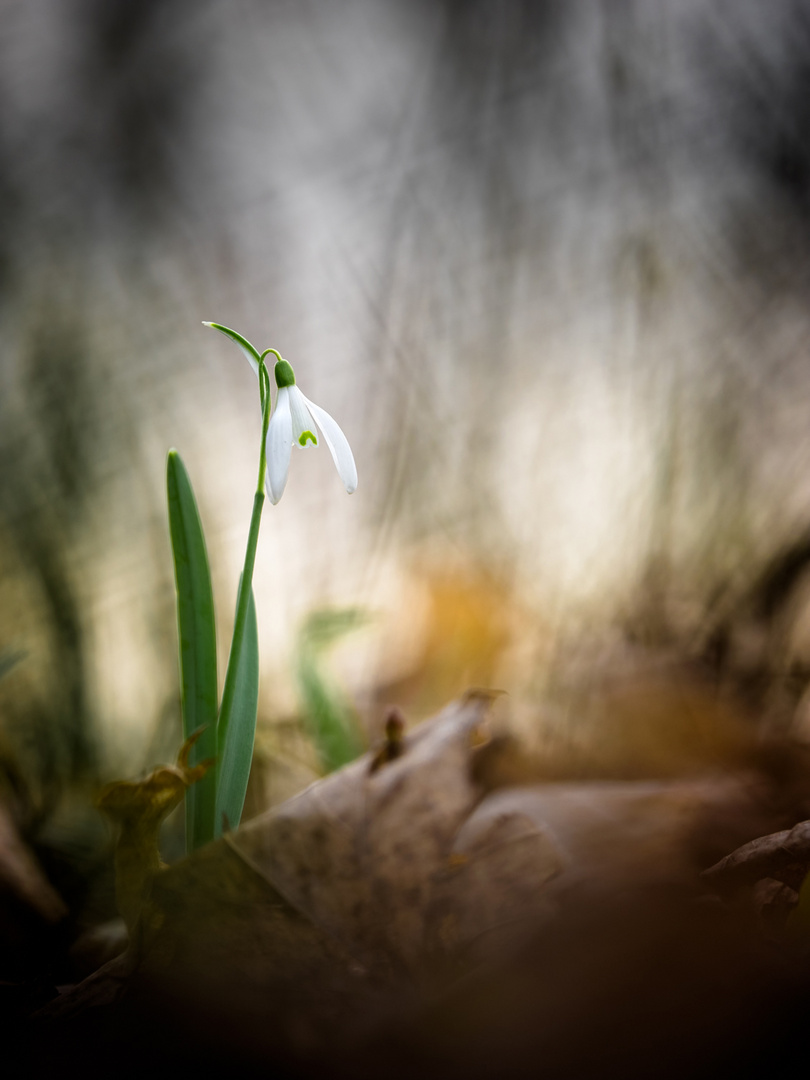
column 386, row 885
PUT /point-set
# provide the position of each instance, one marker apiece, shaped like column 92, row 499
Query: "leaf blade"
column 197, row 643
column 236, row 729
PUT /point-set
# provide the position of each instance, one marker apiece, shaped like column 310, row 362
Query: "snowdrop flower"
column 293, row 421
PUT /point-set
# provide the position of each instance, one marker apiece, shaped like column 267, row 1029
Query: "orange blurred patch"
column 466, row 629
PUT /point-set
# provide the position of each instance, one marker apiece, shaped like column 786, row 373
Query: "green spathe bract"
column 251, row 353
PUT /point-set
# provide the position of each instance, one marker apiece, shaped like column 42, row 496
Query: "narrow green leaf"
column 198, row 646
column 237, row 728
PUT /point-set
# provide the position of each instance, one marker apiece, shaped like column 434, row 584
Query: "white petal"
column 302, row 422
column 279, row 446
column 338, row 445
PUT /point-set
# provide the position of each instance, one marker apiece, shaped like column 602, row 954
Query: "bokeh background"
column 546, row 262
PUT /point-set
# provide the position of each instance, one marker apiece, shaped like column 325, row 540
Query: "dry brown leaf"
column 349, row 863
column 139, row 808
column 783, row 856
column 303, row 930
column 401, row 866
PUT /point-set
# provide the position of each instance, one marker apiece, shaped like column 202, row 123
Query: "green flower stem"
column 247, row 581
column 264, row 391
column 243, row 600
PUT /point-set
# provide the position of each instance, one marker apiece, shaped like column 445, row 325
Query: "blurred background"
column 547, row 264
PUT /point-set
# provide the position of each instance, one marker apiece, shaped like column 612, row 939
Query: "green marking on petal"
column 307, row 436
column 284, row 374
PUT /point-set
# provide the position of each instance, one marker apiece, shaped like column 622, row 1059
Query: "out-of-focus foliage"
column 328, row 718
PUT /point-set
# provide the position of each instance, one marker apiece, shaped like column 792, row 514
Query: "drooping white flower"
column 292, row 422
